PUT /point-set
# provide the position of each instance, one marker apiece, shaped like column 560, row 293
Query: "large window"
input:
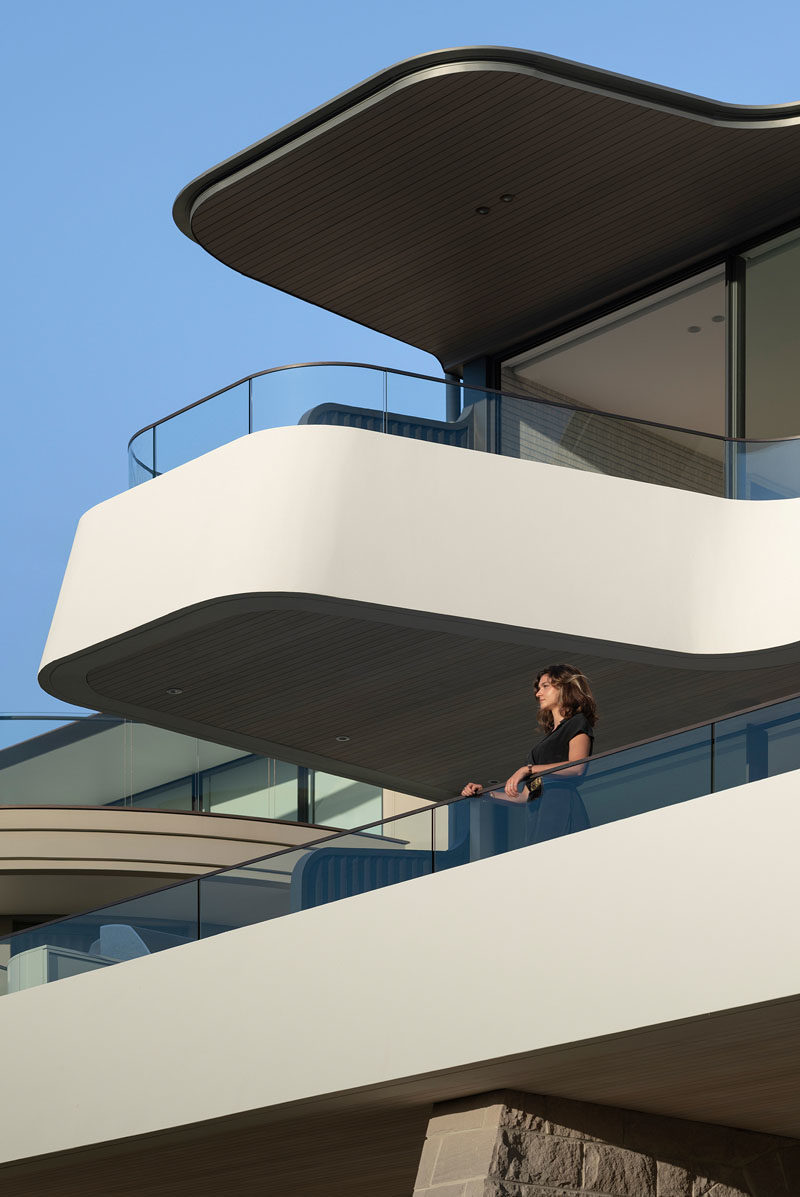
column 772, row 343
column 662, row 360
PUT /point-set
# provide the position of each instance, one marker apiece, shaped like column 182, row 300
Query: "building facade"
column 354, row 572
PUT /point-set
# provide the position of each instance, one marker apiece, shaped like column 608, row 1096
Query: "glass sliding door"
column 661, row 359
column 772, row 339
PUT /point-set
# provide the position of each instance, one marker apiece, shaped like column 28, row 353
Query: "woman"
column 567, row 715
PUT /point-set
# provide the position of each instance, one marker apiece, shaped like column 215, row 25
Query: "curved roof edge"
column 561, row 70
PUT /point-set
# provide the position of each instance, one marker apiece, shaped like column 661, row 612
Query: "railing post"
column 735, row 466
column 452, row 398
column 485, row 404
column 385, row 401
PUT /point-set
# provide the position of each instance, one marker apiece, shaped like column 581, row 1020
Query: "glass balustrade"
column 616, row 785
column 105, row 761
column 449, row 413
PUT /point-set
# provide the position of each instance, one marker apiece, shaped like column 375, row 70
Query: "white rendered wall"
column 380, row 519
column 678, row 913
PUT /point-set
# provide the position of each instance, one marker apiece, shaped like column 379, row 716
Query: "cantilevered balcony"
column 711, row 759
column 375, row 605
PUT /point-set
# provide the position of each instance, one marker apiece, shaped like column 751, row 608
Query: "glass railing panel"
column 581, row 440
column 251, row 893
column 122, row 931
column 759, row 744
column 475, row 828
column 533, row 428
column 101, row 760
column 21, row 729
column 162, row 768
column 647, row 777
column 340, row 802
column 385, row 854
column 201, row 428
column 82, row 762
column 347, row 396
column 612, row 787
column 142, row 457
column 768, row 470
column 255, row 786
column 341, row 866
column 418, row 409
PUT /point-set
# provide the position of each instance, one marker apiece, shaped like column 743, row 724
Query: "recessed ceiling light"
column 693, row 328
column 483, row 210
column 342, row 739
column 717, row 319
column 174, row 691
column 506, row 198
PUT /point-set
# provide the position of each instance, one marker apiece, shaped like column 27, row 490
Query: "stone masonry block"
column 462, row 1116
column 512, row 1188
column 524, row 1111
column 473, row 1188
column 727, row 1191
column 672, row 1181
column 618, row 1172
column 532, row 1159
column 464, row 1154
column 427, row 1162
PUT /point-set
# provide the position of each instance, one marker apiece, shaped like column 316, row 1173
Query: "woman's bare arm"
column 579, row 748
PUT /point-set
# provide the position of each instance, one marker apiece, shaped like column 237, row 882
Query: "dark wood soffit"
column 374, row 217
column 684, row 1070
column 424, row 709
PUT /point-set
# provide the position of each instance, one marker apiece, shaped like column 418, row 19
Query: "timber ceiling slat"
column 341, row 181
column 358, row 150
column 431, row 707
column 438, row 206
column 588, row 237
column 374, row 217
column 361, row 187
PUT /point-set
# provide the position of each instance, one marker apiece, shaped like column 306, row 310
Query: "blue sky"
column 111, row 318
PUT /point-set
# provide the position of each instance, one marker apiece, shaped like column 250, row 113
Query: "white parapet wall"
column 511, row 971
column 383, row 520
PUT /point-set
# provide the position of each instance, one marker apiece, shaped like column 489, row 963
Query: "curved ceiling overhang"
column 368, row 206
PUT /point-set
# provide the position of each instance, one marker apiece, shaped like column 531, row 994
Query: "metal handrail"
column 489, row 391
column 330, row 839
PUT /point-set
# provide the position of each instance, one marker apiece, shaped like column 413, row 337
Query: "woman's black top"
column 554, row 748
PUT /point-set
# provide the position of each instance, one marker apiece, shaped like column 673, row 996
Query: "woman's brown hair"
column 576, row 694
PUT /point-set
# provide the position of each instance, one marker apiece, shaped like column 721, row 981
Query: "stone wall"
column 510, row 1144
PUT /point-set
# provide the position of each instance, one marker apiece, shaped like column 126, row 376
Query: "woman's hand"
column 515, row 781
column 471, row 790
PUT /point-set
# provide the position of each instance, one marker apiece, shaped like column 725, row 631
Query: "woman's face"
column 548, row 695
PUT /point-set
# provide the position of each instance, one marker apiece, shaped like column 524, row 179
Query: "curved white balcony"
column 376, row 606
